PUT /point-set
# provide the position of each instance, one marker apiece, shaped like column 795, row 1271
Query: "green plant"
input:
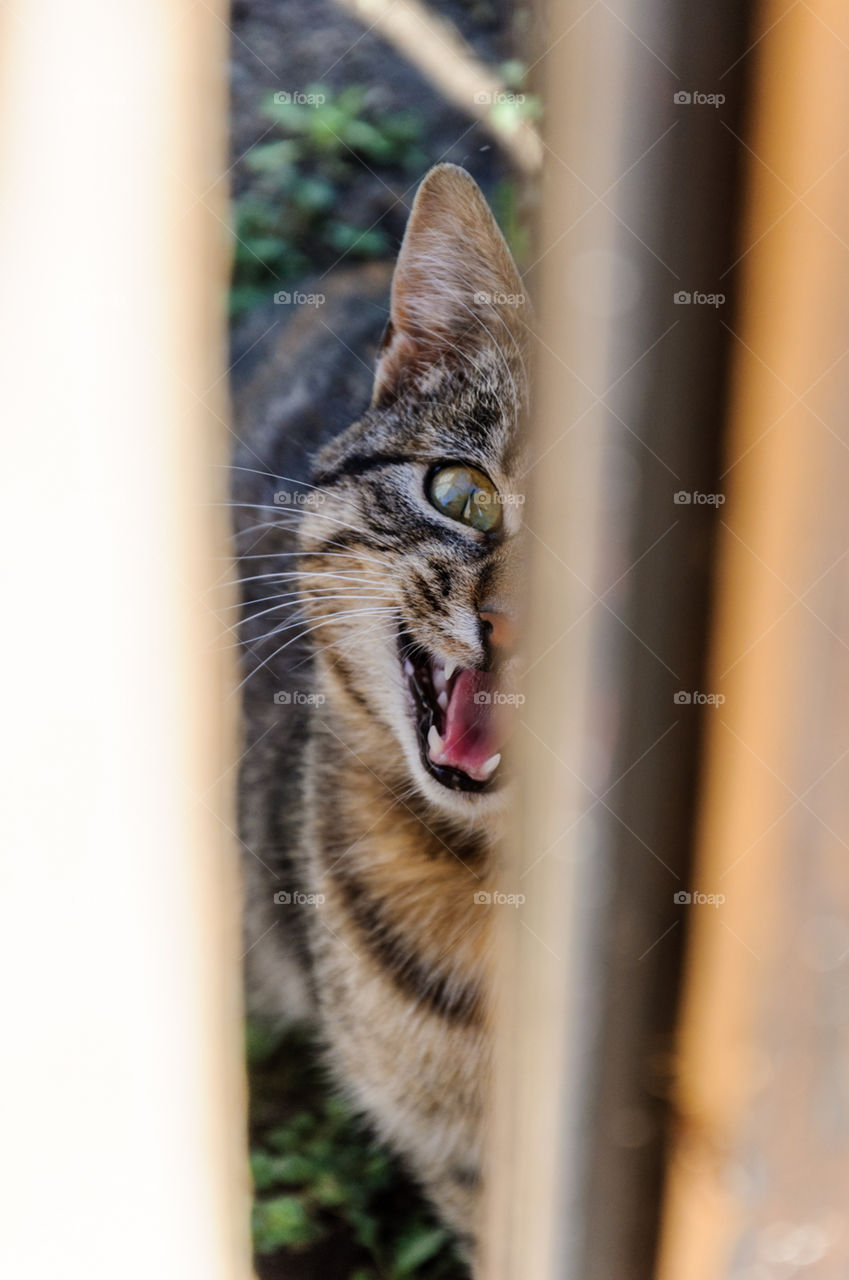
column 319, row 1175
column 297, row 212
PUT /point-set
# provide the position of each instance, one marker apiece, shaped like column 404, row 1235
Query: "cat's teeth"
column 488, row 769
column 408, row 668
column 442, row 701
column 435, row 743
column 450, row 668
column 438, row 677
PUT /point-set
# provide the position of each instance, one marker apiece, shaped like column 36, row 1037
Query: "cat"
column 379, row 632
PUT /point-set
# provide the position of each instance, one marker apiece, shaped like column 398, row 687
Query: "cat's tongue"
column 472, row 735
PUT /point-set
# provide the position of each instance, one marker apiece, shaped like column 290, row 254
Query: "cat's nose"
column 499, row 631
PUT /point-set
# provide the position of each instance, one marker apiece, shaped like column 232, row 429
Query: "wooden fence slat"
column 759, row 1177
column 122, row 1102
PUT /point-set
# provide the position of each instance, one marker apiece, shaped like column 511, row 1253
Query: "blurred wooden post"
column 536, row 1155
column 122, row 1101
column 759, row 1181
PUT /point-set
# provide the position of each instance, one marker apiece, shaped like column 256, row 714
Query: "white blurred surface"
column 121, row 1092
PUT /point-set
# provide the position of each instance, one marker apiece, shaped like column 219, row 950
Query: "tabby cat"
column 378, row 647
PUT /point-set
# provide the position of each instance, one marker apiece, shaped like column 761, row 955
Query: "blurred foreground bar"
column 759, row 1181
column 122, row 1108
column 639, row 205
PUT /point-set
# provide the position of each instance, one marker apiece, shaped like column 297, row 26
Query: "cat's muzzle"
column 457, row 713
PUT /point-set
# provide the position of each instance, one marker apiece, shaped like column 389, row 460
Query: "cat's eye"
column 466, row 494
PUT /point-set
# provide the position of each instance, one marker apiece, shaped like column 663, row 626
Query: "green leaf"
column 337, row 1108
column 363, row 244
column 328, row 1191
column 365, row 1228
column 264, row 248
column 313, row 195
column 281, row 1222
column 262, row 1170
column 261, row 1042
column 291, row 1135
column 351, row 99
column 291, row 116
column 271, row 157
column 293, row 1169
column 245, row 296
column 417, row 1248
column 365, row 137
column 270, row 1171
column 513, row 73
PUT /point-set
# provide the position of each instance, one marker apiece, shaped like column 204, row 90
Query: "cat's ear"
column 455, row 288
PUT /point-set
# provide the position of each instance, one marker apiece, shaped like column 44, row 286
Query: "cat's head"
column 411, row 547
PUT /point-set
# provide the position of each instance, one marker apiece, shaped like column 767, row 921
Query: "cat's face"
column 411, row 548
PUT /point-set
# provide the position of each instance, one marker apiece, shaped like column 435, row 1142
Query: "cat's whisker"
column 361, row 582
column 276, row 631
column 285, row 555
column 255, row 528
column 275, row 524
column 254, row 471
column 290, row 511
column 331, row 583
column 277, row 652
column 351, row 642
column 301, row 599
column 383, row 562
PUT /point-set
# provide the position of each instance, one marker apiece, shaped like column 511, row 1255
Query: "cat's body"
column 371, row 793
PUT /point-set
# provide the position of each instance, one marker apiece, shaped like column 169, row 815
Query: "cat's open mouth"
column 456, row 714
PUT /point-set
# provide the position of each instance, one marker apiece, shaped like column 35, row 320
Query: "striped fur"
column 394, row 961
